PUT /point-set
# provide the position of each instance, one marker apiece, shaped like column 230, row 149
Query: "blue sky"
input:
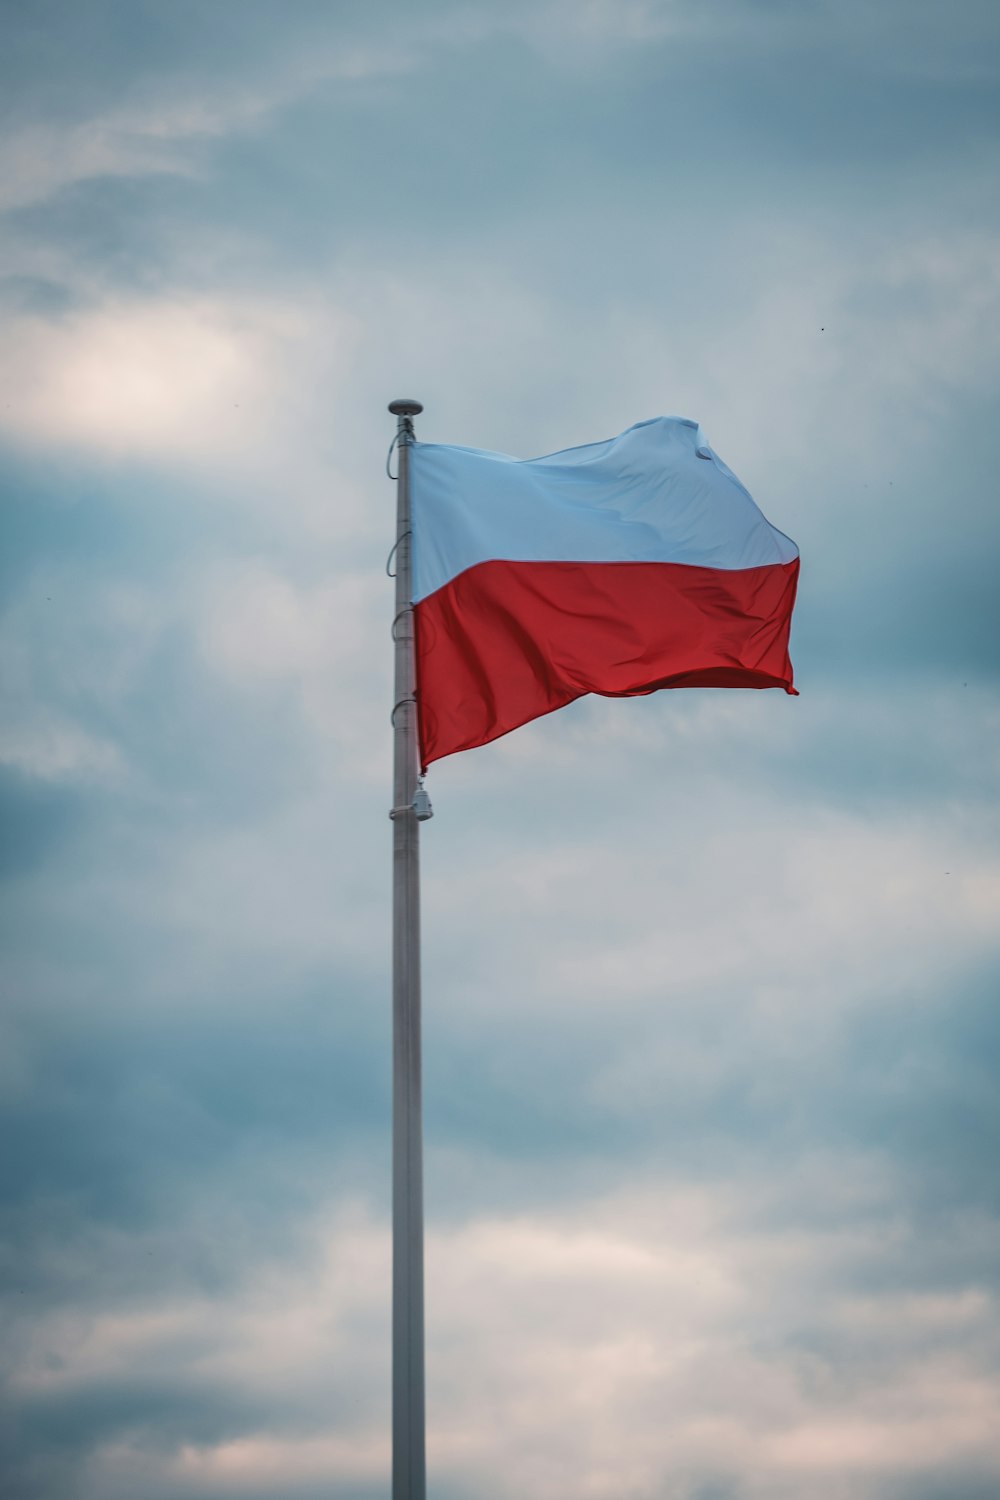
column 710, row 978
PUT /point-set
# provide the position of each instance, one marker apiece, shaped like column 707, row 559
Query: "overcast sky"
column 710, row 980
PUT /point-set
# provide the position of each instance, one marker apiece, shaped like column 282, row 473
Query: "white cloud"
column 639, row 873
column 170, row 378
column 740, row 901
column 55, row 749
column 328, row 640
column 167, row 131
column 235, row 391
column 629, row 1345
column 260, row 625
column 70, row 646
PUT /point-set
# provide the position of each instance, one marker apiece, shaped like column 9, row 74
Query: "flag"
column 616, row 568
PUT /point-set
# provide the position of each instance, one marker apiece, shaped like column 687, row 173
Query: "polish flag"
column 616, row 568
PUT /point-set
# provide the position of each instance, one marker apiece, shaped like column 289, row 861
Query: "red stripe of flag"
column 505, row 642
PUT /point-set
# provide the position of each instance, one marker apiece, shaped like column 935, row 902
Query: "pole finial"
column 405, row 407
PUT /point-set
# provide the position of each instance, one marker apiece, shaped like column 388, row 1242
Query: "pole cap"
column 405, row 407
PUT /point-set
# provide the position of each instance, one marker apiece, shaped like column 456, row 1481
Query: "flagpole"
column 408, row 1419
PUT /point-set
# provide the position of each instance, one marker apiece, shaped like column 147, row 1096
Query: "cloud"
column 262, row 632
column 709, row 984
column 170, row 378
column 55, row 750
column 657, row 1337
column 167, row 133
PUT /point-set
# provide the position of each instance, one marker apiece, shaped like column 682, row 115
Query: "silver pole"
column 409, row 1480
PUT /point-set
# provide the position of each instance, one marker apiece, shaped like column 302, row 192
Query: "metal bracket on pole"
column 422, row 803
column 410, row 807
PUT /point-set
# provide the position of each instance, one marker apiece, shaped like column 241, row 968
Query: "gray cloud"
column 710, row 979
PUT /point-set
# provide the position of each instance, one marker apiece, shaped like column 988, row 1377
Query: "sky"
column 710, row 978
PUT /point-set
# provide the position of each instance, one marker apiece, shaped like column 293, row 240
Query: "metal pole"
column 408, row 1450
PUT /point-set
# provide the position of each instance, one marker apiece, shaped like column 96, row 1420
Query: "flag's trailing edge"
column 617, row 568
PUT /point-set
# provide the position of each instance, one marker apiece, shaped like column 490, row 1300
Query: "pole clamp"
column 397, row 706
